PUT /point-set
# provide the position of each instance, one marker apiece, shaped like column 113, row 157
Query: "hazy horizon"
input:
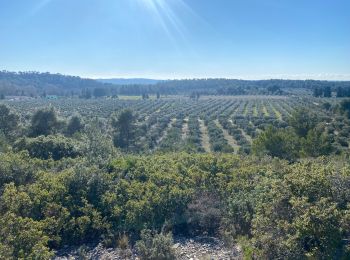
column 324, row 77
column 263, row 77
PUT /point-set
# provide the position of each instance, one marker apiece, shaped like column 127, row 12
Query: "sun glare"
column 167, row 16
column 40, row 6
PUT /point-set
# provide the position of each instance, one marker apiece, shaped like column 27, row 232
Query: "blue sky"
column 177, row 38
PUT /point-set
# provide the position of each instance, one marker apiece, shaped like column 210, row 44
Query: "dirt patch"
column 205, row 136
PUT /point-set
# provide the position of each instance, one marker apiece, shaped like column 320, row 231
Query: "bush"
column 75, row 125
column 45, row 147
column 154, row 246
column 3, row 143
column 316, row 144
column 22, row 238
column 297, row 216
column 283, row 210
column 18, row 168
column 44, row 122
column 8, row 121
column 302, row 121
column 203, row 214
column 282, row 143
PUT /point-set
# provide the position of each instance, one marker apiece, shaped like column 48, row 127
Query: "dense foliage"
column 285, row 211
column 304, row 137
column 52, row 146
column 8, row 120
column 133, row 172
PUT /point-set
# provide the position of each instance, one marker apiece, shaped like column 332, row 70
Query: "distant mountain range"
column 131, row 81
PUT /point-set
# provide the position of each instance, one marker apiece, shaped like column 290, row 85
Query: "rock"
column 194, row 248
column 175, row 246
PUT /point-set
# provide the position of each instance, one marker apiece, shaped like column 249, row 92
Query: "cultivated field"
column 175, row 123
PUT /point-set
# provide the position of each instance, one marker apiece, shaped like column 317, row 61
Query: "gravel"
column 197, row 248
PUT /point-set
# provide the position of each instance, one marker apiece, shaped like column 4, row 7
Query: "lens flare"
column 167, row 17
column 39, row 6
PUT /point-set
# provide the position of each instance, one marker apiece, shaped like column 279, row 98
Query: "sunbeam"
column 167, row 17
column 39, row 6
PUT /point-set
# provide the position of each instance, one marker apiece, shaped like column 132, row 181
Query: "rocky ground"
column 201, row 248
column 204, row 248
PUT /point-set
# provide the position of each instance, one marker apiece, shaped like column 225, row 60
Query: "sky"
column 174, row 39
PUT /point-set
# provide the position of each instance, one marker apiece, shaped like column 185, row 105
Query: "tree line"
column 35, row 84
column 328, row 92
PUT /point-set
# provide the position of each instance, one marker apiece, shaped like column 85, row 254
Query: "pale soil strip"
column 165, row 133
column 230, row 140
column 277, row 113
column 248, row 137
column 185, row 129
column 264, row 110
column 255, row 110
column 205, row 136
column 245, row 109
column 233, row 112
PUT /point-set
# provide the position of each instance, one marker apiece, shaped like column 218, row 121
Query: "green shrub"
column 204, row 213
column 284, row 210
column 281, row 143
column 154, row 246
column 22, row 238
column 52, row 146
column 18, row 168
column 44, row 122
column 75, row 125
column 8, row 120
